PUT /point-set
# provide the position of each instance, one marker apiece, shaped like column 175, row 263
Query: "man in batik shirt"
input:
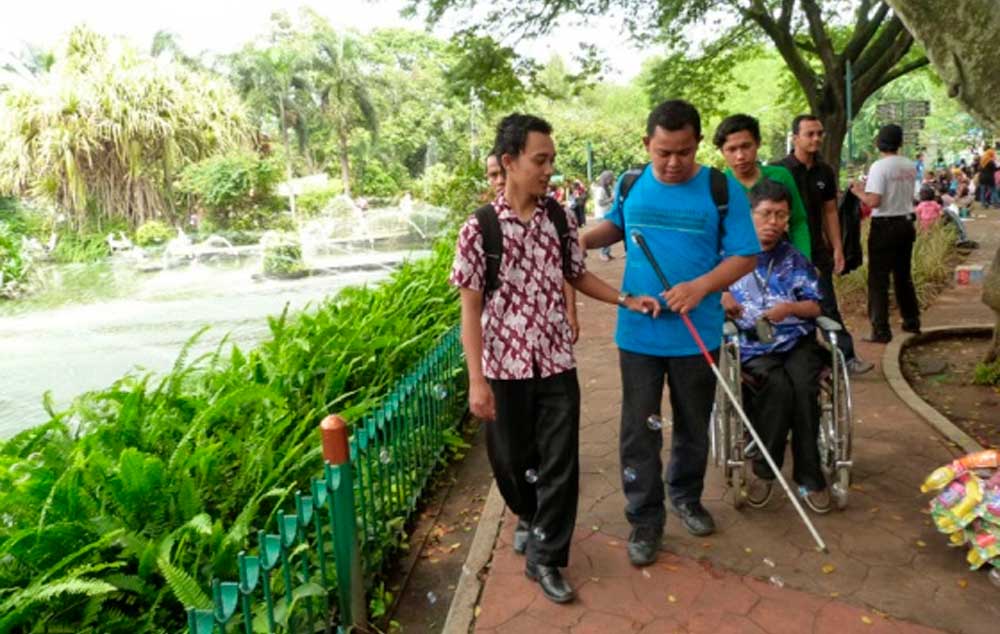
column 774, row 307
column 519, row 349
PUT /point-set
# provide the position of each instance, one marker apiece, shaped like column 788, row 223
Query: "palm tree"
column 269, row 79
column 102, row 128
column 342, row 88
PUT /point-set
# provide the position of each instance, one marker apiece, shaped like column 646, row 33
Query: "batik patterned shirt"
column 525, row 329
column 782, row 275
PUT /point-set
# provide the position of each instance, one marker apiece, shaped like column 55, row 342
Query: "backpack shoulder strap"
column 489, row 227
column 719, row 186
column 557, row 215
column 628, row 180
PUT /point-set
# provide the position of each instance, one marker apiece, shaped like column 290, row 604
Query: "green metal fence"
column 313, row 572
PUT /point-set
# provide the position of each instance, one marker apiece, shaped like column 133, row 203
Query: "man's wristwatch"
column 622, row 297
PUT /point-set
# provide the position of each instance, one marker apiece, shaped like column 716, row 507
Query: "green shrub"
column 377, row 178
column 75, row 247
column 282, row 255
column 141, row 493
column 153, row 232
column 454, row 190
column 987, row 373
column 231, row 186
column 13, row 265
column 312, row 203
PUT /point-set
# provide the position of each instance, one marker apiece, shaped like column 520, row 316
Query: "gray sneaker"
column 857, row 365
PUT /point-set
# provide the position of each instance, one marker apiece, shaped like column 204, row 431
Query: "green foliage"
column 234, row 186
column 129, row 502
column 80, row 247
column 153, row 232
column 987, row 373
column 454, row 190
column 312, row 202
column 104, row 127
column 13, row 266
column 282, row 255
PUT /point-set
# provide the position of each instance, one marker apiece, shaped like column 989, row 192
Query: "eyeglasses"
column 770, row 214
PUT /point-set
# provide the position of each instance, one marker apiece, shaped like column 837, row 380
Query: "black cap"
column 890, row 138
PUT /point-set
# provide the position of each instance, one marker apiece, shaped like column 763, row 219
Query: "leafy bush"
column 234, row 185
column 987, row 373
column 128, row 503
column 312, row 203
column 153, row 232
column 282, row 255
column 76, row 247
column 378, row 178
column 13, row 266
column 453, row 190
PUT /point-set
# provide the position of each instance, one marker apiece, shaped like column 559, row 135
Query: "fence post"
column 350, row 583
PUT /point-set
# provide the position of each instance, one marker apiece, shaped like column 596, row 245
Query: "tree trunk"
column 288, row 156
column 345, row 164
column 991, row 297
column 955, row 46
column 835, row 124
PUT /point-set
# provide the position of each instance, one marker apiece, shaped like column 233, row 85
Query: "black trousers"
column 828, row 304
column 537, row 429
column 692, row 390
column 890, row 252
column 786, row 398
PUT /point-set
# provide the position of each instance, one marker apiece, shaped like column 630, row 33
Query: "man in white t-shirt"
column 889, row 192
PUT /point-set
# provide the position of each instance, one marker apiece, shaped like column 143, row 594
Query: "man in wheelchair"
column 774, row 308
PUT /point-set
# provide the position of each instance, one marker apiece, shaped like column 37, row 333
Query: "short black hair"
column 890, row 138
column 674, row 115
column 800, row 118
column 767, row 189
column 512, row 133
column 927, row 193
column 736, row 123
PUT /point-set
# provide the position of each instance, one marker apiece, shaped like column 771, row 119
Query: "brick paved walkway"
column 888, row 570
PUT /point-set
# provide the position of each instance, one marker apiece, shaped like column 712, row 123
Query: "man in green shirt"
column 738, row 138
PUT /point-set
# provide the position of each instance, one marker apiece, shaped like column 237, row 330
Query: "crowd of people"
column 757, row 244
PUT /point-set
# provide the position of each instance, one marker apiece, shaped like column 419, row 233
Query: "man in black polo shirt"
column 817, row 184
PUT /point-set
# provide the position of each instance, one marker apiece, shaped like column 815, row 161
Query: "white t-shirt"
column 892, row 178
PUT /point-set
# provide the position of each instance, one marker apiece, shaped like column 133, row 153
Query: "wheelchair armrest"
column 828, row 325
column 729, row 330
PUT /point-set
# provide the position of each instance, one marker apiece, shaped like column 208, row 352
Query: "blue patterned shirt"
column 782, row 275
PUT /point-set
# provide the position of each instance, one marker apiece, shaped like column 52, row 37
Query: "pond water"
column 87, row 325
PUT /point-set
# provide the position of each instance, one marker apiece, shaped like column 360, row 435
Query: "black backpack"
column 489, row 226
column 717, row 182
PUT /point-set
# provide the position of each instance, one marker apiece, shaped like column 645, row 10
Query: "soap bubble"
column 777, row 581
column 432, row 598
column 630, row 474
column 769, row 562
column 531, row 476
column 384, row 456
column 654, row 422
column 440, row 392
column 538, row 533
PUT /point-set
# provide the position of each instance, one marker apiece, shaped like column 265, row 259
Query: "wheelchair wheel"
column 836, row 428
column 727, row 428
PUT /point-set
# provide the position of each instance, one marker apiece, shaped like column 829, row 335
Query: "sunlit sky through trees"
column 222, row 26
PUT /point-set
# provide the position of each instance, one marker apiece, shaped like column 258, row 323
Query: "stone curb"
column 894, row 375
column 461, row 614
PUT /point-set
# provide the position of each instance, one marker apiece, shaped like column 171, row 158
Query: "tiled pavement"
column 888, row 570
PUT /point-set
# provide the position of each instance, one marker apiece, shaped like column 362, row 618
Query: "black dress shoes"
column 554, row 586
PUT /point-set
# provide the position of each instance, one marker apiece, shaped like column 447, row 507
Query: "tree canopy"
column 816, row 39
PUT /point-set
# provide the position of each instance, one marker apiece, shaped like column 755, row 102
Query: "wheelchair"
column 731, row 443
